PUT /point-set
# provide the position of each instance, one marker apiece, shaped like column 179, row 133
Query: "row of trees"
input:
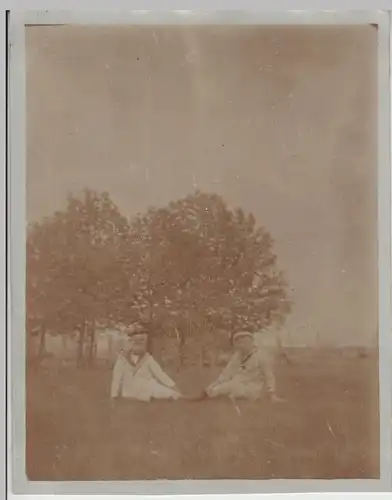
column 187, row 269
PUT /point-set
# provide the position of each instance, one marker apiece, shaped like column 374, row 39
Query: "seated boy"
column 247, row 375
column 136, row 375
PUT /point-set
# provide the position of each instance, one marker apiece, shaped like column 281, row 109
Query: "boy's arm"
column 228, row 371
column 117, row 378
column 268, row 372
column 270, row 380
column 159, row 374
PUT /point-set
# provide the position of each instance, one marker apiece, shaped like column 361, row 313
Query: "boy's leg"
column 223, row 389
column 162, row 392
column 246, row 391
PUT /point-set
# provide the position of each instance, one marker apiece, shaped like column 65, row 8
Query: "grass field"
column 327, row 428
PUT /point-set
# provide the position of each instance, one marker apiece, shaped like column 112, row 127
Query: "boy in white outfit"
column 136, row 374
column 248, row 375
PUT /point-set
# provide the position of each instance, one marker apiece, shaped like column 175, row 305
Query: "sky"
column 278, row 120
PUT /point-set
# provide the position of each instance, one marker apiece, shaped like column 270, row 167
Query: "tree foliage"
column 74, row 264
column 191, row 267
column 203, row 263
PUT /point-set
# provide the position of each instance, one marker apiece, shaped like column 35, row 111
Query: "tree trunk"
column 203, row 357
column 203, row 335
column 42, row 343
column 91, row 346
column 182, row 340
column 150, row 341
column 79, row 357
column 205, row 351
column 150, row 337
column 181, row 348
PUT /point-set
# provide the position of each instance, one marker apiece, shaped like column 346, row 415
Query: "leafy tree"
column 75, row 266
column 206, row 266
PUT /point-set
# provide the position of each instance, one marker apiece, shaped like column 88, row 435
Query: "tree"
column 76, row 267
column 207, row 266
column 44, row 298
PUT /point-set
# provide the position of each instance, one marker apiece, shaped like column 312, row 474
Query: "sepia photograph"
column 202, row 266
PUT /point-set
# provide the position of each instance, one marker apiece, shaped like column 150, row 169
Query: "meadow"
column 327, row 428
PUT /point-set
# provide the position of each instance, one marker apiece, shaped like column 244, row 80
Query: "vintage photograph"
column 201, row 252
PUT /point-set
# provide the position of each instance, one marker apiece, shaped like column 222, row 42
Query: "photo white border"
column 16, row 392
